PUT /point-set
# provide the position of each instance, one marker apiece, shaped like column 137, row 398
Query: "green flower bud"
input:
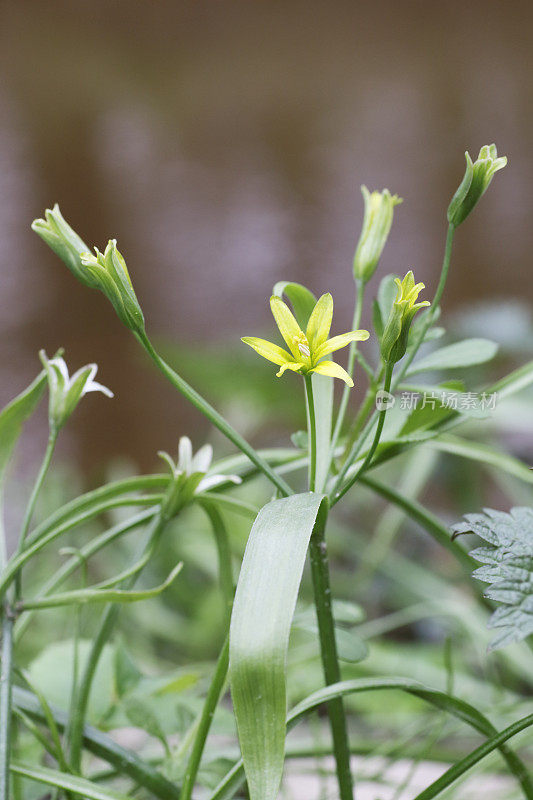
column 66, row 392
column 475, row 183
column 404, row 308
column 109, row 272
column 379, row 207
column 64, row 241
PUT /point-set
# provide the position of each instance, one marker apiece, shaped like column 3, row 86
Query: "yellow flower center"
column 303, row 346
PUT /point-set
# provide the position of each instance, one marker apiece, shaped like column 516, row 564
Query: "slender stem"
column 6, row 677
column 311, row 431
column 338, row 493
column 434, row 306
column 107, row 623
column 358, row 310
column 225, row 569
column 30, row 508
column 213, row 416
column 208, row 710
column 221, row 670
column 330, row 663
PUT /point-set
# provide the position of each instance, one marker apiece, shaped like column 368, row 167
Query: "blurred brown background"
column 223, row 145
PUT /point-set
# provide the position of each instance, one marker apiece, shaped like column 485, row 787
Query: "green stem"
column 107, row 623
column 225, row 569
column 340, row 492
column 6, row 678
column 213, row 416
column 206, row 718
column 30, row 508
column 330, row 663
column 311, row 431
column 221, row 670
column 434, row 306
column 358, row 310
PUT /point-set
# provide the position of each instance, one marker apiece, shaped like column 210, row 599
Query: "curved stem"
column 338, row 493
column 330, row 662
column 213, row 416
column 358, row 310
column 311, row 430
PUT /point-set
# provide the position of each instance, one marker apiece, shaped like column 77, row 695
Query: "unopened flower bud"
column 379, row 208
column 475, row 183
column 404, row 308
column 64, row 241
column 109, row 272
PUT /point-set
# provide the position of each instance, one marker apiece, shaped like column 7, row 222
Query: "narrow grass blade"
column 230, row 784
column 63, row 780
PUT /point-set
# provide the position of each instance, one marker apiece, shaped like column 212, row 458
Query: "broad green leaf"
column 265, row 600
column 13, row 416
column 461, row 354
column 483, row 453
column 63, row 780
column 303, row 301
column 507, row 566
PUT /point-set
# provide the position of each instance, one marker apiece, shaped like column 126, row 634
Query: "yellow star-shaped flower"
column 306, row 349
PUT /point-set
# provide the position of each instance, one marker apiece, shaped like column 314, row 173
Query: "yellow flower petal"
column 340, row 341
column 268, row 350
column 294, row 366
column 319, row 323
column 333, row 371
column 288, row 327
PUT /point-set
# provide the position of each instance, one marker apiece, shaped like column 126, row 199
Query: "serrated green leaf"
column 507, row 566
column 265, row 600
column 461, row 354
